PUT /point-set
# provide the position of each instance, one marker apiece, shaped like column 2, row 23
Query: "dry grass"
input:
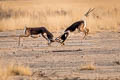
column 57, row 15
column 19, row 70
column 88, row 67
column 13, row 70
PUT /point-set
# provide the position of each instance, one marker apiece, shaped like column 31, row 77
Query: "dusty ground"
column 56, row 62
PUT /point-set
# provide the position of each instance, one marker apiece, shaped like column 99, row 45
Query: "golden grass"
column 88, row 67
column 13, row 70
column 19, row 70
column 57, row 15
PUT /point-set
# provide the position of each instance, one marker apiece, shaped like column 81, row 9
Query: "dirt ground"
column 56, row 62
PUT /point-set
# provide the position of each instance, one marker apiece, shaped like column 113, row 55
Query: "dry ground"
column 101, row 51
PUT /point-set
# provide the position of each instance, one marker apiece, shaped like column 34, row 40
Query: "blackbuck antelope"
column 38, row 31
column 79, row 25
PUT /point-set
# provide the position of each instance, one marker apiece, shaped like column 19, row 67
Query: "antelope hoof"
column 49, row 44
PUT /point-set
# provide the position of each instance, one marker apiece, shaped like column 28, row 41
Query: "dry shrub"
column 13, row 70
column 88, row 67
column 19, row 70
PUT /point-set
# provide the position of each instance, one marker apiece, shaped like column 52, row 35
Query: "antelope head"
column 90, row 10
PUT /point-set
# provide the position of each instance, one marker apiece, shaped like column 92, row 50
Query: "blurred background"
column 56, row 15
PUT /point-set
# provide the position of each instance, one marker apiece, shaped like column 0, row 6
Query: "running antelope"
column 37, row 31
column 79, row 25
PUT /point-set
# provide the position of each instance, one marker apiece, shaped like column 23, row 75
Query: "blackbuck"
column 38, row 31
column 79, row 25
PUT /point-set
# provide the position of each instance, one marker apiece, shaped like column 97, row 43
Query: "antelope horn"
column 90, row 10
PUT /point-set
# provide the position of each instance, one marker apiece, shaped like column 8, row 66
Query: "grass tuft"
column 88, row 67
column 19, row 70
column 14, row 70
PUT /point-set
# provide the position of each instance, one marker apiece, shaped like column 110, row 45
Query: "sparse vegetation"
column 88, row 67
column 13, row 70
column 19, row 70
column 58, row 15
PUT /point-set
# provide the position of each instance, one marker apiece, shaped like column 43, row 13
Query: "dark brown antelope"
column 38, row 31
column 79, row 25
